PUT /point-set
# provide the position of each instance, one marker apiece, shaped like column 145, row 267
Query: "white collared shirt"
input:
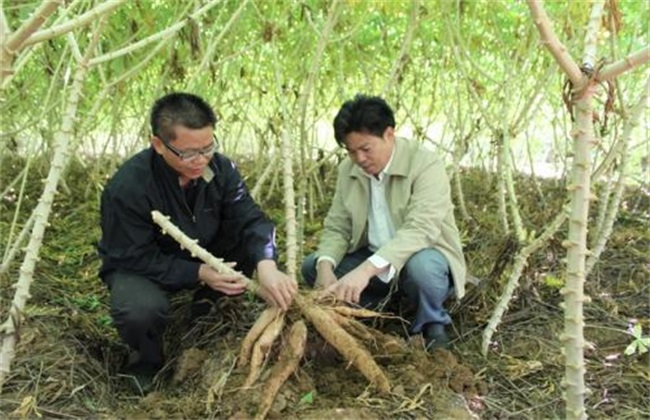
column 380, row 224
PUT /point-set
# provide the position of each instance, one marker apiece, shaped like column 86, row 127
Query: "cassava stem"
column 197, row 250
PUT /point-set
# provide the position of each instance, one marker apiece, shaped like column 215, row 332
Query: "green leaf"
column 643, row 345
column 553, row 282
column 105, row 320
column 636, row 331
column 308, row 398
column 631, row 349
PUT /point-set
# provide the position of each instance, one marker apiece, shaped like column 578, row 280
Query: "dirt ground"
column 201, row 380
column 69, row 357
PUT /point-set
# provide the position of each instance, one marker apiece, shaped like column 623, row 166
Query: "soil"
column 205, row 382
column 69, row 358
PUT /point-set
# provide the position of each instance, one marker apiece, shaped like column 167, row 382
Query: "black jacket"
column 224, row 216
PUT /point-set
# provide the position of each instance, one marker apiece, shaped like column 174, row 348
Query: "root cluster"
column 336, row 324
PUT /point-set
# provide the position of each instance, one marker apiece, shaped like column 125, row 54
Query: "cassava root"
column 288, row 364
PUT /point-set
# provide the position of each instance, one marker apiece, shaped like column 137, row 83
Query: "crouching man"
column 183, row 176
column 391, row 221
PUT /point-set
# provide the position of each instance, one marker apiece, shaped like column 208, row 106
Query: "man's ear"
column 389, row 133
column 157, row 145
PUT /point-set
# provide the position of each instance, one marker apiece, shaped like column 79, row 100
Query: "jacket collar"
column 170, row 174
column 162, row 168
column 208, row 174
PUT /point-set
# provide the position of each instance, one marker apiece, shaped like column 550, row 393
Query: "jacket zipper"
column 189, row 211
column 187, row 206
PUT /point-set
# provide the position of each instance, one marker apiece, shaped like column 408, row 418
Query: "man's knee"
column 427, row 268
column 137, row 302
column 309, row 270
column 141, row 313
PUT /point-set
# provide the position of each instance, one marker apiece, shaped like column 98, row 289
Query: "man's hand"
column 276, row 288
column 229, row 284
column 325, row 276
column 350, row 286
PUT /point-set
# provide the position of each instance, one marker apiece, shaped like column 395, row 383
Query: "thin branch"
column 30, row 48
column 527, row 111
column 287, row 160
column 399, row 62
column 196, row 250
column 81, row 20
column 74, row 47
column 16, row 40
column 19, row 38
column 11, row 252
column 513, row 202
column 556, row 48
column 294, row 233
column 472, row 92
column 606, row 230
column 135, row 69
column 633, row 60
column 4, row 25
column 10, row 327
column 207, row 57
column 519, row 265
column 502, row 191
column 459, row 48
column 270, row 167
column 303, row 100
column 155, row 37
column 591, row 35
column 8, row 257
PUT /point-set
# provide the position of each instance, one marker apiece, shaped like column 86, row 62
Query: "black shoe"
column 435, row 337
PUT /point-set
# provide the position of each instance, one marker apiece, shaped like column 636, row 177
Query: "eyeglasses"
column 189, row 155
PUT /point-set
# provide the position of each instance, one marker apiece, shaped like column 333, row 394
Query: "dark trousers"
column 141, row 312
column 425, row 281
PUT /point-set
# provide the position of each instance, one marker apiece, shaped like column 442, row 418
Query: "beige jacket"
column 419, row 200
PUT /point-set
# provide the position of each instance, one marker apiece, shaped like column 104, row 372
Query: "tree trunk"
column 42, row 213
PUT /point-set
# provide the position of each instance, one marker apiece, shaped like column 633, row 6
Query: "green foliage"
column 88, row 303
column 105, row 321
column 553, row 282
column 640, row 344
column 240, row 78
column 308, row 398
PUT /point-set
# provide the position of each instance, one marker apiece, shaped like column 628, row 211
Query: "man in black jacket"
column 182, row 176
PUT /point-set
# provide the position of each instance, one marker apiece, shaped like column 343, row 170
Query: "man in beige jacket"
column 391, row 220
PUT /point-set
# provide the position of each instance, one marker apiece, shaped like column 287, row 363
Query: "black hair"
column 363, row 114
column 180, row 108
